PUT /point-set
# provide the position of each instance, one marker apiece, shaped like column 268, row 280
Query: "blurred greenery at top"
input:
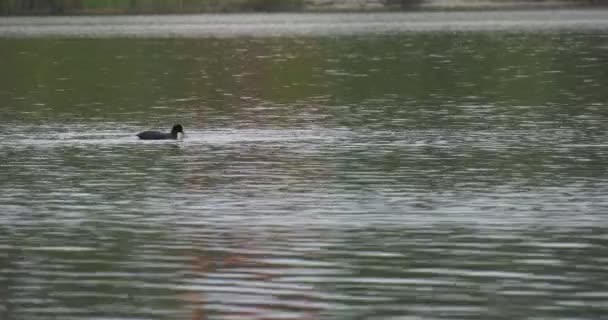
column 21, row 7
column 44, row 7
column 9, row 7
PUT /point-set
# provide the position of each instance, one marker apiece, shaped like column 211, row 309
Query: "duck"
column 157, row 135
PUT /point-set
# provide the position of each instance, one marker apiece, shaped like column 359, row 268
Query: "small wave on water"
column 49, row 136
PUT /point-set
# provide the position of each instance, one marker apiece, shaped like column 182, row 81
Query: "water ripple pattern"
column 423, row 175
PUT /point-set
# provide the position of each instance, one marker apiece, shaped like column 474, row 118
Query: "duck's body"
column 157, row 135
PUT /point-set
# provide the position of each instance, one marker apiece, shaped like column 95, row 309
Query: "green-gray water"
column 425, row 171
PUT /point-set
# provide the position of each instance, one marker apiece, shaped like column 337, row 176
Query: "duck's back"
column 154, row 135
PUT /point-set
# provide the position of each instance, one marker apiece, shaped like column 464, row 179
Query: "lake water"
column 382, row 166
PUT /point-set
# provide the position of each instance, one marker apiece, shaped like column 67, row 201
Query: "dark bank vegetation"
column 66, row 7
column 17, row 7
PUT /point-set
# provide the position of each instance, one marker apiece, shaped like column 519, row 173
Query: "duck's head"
column 176, row 130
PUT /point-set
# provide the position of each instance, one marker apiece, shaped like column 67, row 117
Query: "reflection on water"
column 407, row 176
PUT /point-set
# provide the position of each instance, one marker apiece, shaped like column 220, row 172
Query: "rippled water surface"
column 385, row 175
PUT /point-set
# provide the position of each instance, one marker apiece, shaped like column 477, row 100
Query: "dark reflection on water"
column 413, row 176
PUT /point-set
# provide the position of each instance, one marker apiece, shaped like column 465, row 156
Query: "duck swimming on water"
column 157, row 135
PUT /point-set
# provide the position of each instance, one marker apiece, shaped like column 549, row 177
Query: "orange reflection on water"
column 249, row 297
